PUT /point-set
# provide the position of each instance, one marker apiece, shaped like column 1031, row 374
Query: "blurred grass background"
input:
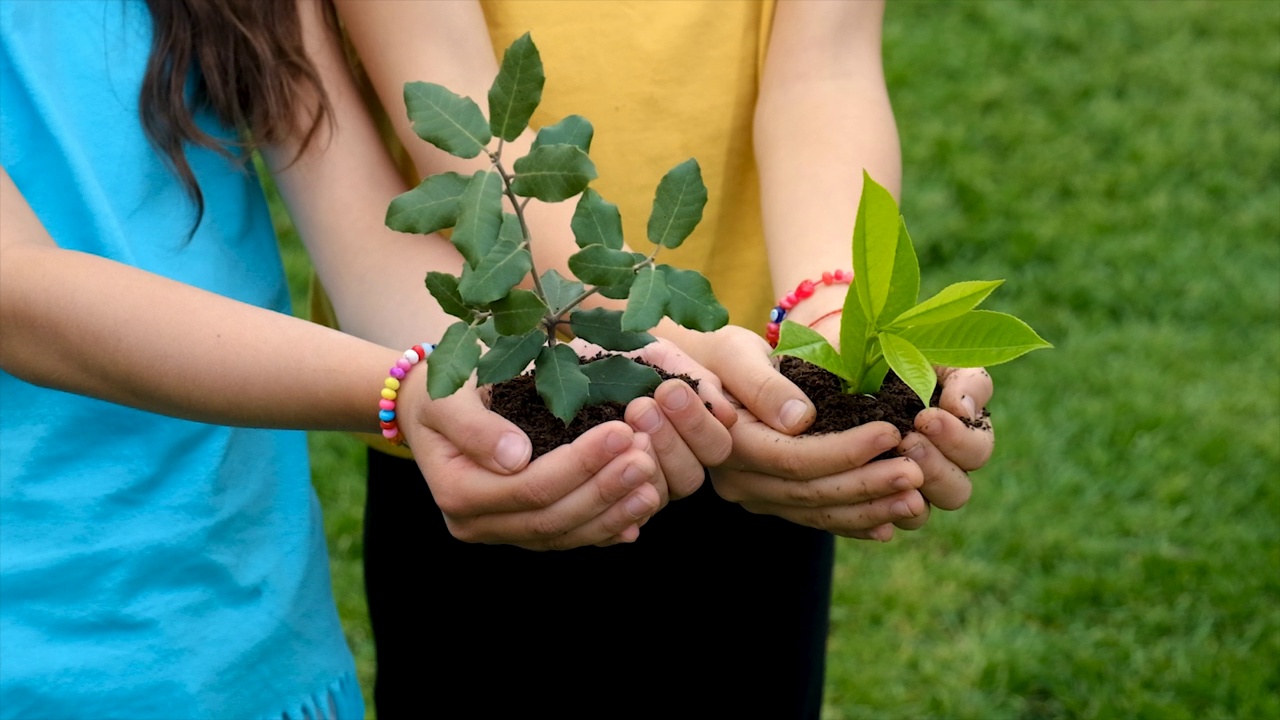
column 1119, row 163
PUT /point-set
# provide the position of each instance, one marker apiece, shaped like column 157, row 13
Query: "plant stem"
column 496, row 158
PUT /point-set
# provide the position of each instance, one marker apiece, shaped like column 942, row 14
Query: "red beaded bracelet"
column 387, row 404
column 802, row 291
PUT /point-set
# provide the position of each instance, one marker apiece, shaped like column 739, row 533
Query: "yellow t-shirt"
column 660, row 81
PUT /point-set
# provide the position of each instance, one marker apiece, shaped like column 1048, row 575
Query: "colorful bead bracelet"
column 387, row 405
column 803, row 290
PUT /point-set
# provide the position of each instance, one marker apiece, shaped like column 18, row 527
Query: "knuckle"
column 804, row 493
column 546, row 526
column 535, row 494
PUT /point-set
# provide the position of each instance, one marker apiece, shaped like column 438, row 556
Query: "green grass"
column 1119, row 164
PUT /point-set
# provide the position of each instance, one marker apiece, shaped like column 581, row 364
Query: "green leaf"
column 517, row 313
column 573, row 130
column 809, row 345
column 479, row 217
column 561, row 382
column 904, row 287
column 486, row 332
column 854, row 336
column 618, row 379
column 509, row 357
column 511, row 230
column 552, row 173
column 500, row 271
column 559, row 291
column 875, row 242
column 910, row 364
column 431, row 206
column 677, row 205
column 598, row 265
column 444, row 288
column 979, row 338
column 691, row 302
column 596, row 221
column 647, row 302
column 452, row 362
column 517, row 89
column 450, row 122
column 604, row 328
column 952, row 301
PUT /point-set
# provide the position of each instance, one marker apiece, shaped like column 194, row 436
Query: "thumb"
column 749, row 376
column 488, row 439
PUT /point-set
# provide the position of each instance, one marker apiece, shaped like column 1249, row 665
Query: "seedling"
column 882, row 327
column 520, row 325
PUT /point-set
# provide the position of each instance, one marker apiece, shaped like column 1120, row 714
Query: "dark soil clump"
column 896, row 403
column 518, row 400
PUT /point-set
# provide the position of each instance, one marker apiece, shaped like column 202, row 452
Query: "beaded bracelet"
column 802, row 291
column 387, row 406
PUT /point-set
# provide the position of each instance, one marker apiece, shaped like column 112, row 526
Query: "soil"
column 518, row 400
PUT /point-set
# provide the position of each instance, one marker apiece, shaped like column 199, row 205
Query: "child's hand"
column 596, row 491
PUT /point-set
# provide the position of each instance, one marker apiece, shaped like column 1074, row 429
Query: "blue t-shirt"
column 149, row 567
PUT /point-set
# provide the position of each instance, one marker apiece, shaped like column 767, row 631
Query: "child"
column 732, row 584
column 161, row 552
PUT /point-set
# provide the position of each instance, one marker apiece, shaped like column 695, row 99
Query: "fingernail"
column 616, row 442
column 901, row 484
column 969, row 407
column 649, row 420
column 901, row 509
column 676, row 399
column 638, row 505
column 633, row 476
column 915, row 452
column 512, row 449
column 792, row 411
column 886, row 441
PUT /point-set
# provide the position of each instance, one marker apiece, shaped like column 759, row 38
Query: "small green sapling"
column 882, row 327
column 518, row 325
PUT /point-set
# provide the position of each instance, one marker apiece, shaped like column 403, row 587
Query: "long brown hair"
column 246, row 62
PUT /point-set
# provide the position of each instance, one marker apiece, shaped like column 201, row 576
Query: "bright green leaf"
column 517, row 313
column 904, row 288
column 573, row 130
column 979, row 338
column 952, row 301
column 444, row 288
column 559, row 291
column 560, row 381
column 647, row 302
column 552, row 173
column 677, row 205
column 452, row 362
column 500, row 271
column 854, row 336
column 691, row 302
column 517, row 89
column 596, row 221
column 598, row 265
column 604, row 328
column 809, row 345
column 510, row 355
column 479, row 217
column 431, row 206
column 875, row 242
column 618, row 379
column 910, row 365
column 450, row 122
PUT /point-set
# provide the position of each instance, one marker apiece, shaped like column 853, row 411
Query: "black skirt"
column 713, row 613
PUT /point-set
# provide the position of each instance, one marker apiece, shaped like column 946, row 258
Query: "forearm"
column 823, row 117
column 120, row 334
